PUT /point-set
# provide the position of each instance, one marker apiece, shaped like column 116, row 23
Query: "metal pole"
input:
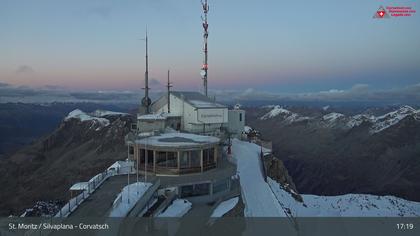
column 137, row 168
column 146, row 156
column 128, row 176
column 205, row 36
column 169, row 93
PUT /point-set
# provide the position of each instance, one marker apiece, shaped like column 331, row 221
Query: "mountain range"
column 328, row 152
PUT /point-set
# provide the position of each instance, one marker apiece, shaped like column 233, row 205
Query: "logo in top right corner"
column 393, row 11
column 381, row 13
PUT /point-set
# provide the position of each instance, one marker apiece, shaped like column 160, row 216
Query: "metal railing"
column 93, row 184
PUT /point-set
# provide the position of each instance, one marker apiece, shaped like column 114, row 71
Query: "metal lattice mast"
column 146, row 101
column 204, row 69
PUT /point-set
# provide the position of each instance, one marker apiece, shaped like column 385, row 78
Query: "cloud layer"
column 361, row 93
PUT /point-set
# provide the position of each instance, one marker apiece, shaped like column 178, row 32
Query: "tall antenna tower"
column 204, row 69
column 168, row 86
column 146, row 101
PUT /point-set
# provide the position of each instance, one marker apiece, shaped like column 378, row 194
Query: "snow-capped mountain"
column 385, row 121
column 96, row 118
column 288, row 116
column 339, row 120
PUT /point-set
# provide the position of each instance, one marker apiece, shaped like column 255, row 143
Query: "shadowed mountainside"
column 74, row 152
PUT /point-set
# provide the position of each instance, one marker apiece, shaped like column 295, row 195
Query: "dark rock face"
column 74, row 152
column 277, row 171
column 333, row 160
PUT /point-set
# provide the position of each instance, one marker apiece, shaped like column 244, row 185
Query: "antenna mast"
column 169, row 85
column 146, row 101
column 205, row 36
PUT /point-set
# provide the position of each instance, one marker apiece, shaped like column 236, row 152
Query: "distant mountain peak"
column 288, row 116
column 391, row 118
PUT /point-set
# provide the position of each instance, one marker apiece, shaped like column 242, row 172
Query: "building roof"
column 178, row 140
column 197, row 99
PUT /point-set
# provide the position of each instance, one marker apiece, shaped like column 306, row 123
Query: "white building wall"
column 196, row 120
column 236, row 122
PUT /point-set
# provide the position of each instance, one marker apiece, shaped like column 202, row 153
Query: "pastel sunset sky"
column 270, row 45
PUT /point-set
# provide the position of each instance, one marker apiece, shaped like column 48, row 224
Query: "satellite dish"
column 202, row 73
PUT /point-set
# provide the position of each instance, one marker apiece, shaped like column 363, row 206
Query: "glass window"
column 161, row 159
column 172, row 160
column 183, row 159
column 142, row 155
column 195, row 158
column 208, row 156
column 150, row 157
column 240, row 116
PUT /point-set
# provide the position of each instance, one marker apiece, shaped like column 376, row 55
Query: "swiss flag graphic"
column 381, row 13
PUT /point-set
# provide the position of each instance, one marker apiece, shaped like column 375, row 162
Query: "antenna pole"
column 169, row 93
column 146, row 100
column 204, row 69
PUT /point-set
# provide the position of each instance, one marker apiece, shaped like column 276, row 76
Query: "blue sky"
column 274, row 46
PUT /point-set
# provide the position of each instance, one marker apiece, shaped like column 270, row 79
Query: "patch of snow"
column 122, row 167
column 178, row 208
column 333, row 116
column 82, row 116
column 80, row 186
column 258, row 198
column 101, row 113
column 247, row 129
column 325, row 108
column 128, row 198
column 357, row 120
column 225, row 207
column 275, row 111
column 349, row 205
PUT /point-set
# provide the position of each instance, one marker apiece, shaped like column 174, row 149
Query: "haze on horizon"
column 266, row 45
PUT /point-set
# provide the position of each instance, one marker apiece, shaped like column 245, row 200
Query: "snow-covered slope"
column 258, row 198
column 270, row 199
column 385, row 121
column 349, row 205
column 225, row 207
column 82, row 116
column 287, row 115
column 178, row 208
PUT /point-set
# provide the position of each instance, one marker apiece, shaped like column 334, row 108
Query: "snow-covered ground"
column 270, row 199
column 224, row 207
column 129, row 196
column 258, row 198
column 178, row 208
column 349, row 205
